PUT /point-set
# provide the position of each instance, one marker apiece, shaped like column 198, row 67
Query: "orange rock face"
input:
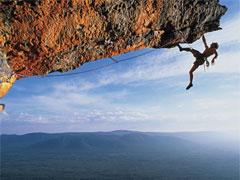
column 43, row 36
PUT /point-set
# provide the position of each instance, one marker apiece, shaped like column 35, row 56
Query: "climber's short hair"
column 215, row 45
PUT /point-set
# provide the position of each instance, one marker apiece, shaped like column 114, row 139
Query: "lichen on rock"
column 7, row 77
column 5, row 70
column 43, row 36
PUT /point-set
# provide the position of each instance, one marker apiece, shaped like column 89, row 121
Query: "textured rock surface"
column 42, row 36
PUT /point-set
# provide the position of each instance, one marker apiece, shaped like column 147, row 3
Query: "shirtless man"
column 201, row 58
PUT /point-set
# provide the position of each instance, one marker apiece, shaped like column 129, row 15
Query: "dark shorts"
column 199, row 61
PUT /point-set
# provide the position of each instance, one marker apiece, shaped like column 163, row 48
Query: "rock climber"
column 201, row 58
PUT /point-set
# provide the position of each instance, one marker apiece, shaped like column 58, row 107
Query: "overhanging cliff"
column 43, row 36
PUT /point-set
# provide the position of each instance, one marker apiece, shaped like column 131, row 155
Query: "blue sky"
column 145, row 94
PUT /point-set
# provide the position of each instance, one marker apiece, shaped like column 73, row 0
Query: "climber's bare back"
column 209, row 52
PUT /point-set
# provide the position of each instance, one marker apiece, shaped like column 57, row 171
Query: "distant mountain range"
column 99, row 141
column 115, row 140
column 119, row 155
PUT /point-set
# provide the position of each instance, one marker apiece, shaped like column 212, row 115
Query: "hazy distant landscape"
column 119, row 155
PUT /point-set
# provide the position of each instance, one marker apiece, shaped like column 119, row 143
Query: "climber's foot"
column 180, row 48
column 189, row 86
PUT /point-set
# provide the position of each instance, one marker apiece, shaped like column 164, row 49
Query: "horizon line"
column 120, row 130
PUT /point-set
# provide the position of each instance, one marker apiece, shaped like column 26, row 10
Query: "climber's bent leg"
column 195, row 53
column 184, row 49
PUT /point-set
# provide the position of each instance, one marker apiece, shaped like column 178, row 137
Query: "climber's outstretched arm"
column 204, row 42
column 215, row 57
